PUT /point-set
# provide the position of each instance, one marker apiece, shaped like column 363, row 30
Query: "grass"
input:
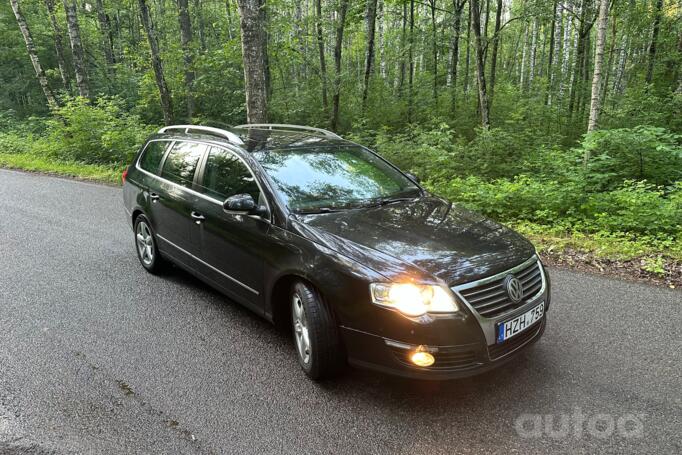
column 601, row 245
column 33, row 163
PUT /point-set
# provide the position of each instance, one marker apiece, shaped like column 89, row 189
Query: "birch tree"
column 595, row 100
column 58, row 45
column 76, row 48
column 33, row 55
column 157, row 65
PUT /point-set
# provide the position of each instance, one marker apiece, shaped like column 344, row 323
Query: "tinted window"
column 226, row 175
column 151, row 157
column 316, row 177
column 181, row 162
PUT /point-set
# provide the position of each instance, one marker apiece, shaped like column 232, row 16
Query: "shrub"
column 636, row 208
column 640, row 153
column 101, row 132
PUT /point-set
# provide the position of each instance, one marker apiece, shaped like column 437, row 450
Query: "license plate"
column 513, row 327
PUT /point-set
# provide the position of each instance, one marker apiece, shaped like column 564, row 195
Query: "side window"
column 181, row 162
column 226, row 175
column 152, row 155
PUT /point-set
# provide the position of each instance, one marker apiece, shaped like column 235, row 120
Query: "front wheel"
column 315, row 333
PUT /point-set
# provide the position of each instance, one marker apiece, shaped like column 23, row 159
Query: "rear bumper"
column 389, row 356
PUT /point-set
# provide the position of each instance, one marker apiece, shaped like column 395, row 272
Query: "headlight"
column 413, row 299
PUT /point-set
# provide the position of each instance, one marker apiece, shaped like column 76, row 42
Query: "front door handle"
column 154, row 197
column 198, row 217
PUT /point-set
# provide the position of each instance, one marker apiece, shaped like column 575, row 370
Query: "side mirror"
column 244, row 203
column 412, row 177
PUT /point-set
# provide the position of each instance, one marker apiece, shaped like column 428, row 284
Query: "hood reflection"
column 440, row 238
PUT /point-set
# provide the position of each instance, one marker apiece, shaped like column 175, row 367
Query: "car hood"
column 428, row 233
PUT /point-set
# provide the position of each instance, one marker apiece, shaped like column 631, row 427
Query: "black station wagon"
column 322, row 235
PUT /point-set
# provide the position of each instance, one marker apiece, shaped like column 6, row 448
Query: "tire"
column 316, row 335
column 145, row 246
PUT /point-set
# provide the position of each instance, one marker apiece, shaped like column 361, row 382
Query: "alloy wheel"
column 300, row 329
column 145, row 243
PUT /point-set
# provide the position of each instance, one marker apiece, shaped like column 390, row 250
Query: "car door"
column 173, row 201
column 233, row 244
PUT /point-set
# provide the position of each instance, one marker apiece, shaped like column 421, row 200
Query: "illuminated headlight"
column 413, row 299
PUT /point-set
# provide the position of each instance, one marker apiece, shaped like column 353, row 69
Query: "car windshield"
column 330, row 178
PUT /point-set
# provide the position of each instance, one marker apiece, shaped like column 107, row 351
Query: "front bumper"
column 459, row 348
column 452, row 362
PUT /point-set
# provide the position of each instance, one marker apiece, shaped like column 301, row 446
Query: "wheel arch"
column 278, row 299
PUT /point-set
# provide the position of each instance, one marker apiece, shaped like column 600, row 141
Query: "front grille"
column 498, row 350
column 490, row 299
column 446, row 358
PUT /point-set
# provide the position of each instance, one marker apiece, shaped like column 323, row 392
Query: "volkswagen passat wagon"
column 322, row 235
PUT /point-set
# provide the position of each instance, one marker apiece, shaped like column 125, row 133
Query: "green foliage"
column 102, row 132
column 643, row 153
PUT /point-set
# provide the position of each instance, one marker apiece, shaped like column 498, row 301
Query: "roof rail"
column 231, row 137
column 283, row 126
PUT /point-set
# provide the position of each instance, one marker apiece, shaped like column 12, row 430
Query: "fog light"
column 422, row 359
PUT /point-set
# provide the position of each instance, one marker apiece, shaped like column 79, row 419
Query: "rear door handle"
column 198, row 217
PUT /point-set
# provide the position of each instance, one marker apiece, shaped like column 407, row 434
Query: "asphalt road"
column 97, row 356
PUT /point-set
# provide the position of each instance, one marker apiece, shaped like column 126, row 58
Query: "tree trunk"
column 186, row 43
column 533, row 53
column 468, row 54
column 30, row 48
column 403, row 41
column 340, row 26
column 595, row 101
column 434, row 44
column 578, row 66
column 654, row 39
column 320, row 46
column 105, row 31
column 369, row 58
column 566, row 57
column 609, row 64
column 200, row 22
column 496, row 45
column 228, row 11
column 618, row 85
column 480, row 68
column 164, row 92
column 522, row 78
column 58, row 45
column 382, row 44
column 550, row 56
column 254, row 54
column 454, row 56
column 410, row 57
column 76, row 48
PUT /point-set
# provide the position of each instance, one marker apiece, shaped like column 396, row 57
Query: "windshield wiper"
column 317, row 210
column 391, row 200
column 386, row 200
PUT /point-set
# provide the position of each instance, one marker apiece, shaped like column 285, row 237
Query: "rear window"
column 181, row 162
column 152, row 155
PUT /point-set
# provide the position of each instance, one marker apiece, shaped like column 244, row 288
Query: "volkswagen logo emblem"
column 514, row 288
